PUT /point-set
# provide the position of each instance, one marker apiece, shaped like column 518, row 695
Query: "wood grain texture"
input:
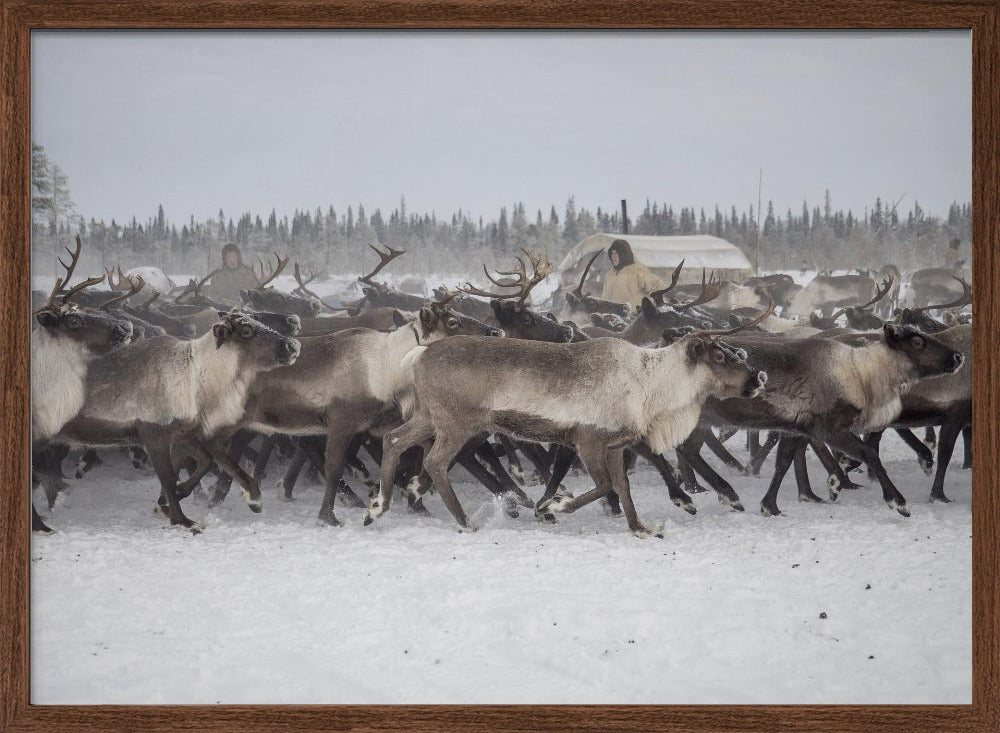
column 16, row 20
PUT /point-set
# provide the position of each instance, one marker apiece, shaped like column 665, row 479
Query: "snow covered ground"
column 727, row 608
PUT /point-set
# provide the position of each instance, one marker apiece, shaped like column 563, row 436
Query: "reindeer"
column 825, row 390
column 160, row 390
column 63, row 347
column 578, row 302
column 571, row 394
column 828, row 292
column 378, row 294
column 267, row 298
column 859, row 317
column 511, row 310
column 344, row 384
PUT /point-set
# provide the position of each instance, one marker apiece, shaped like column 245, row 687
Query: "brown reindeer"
column 346, row 383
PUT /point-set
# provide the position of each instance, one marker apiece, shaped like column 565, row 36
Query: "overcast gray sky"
column 478, row 120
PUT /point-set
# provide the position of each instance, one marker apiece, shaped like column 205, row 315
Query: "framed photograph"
column 514, row 325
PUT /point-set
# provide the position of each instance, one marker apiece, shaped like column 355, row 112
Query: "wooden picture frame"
column 19, row 17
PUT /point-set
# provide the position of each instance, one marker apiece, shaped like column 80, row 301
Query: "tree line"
column 335, row 240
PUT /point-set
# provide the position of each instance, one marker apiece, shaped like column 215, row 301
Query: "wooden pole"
column 624, row 218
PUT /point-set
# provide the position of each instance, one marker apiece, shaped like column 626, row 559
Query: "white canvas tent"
column 662, row 255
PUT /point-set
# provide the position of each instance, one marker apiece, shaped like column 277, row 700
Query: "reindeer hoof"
column 687, row 506
column 810, row 497
column 940, row 497
column 927, row 465
column 328, row 520
column 770, row 510
column 468, row 528
column 369, row 520
column 899, row 506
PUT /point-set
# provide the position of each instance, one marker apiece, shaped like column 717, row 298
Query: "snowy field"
column 727, row 608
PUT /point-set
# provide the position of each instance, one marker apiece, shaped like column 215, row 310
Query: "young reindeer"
column 63, row 346
column 346, row 383
column 599, row 396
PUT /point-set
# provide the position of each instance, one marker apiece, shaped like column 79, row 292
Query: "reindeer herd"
column 479, row 377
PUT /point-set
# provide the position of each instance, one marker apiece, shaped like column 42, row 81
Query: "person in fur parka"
column 628, row 281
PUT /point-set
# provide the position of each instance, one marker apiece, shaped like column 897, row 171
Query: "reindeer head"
column 97, row 330
column 266, row 298
column 927, row 355
column 512, row 310
column 257, row 344
column 729, row 373
column 438, row 320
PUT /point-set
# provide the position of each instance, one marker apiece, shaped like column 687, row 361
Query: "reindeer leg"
column 514, row 465
column 854, row 446
column 338, row 440
column 563, row 460
column 467, row 459
column 157, row 442
column 287, row 482
column 929, row 440
column 237, row 446
column 418, row 429
column 248, row 487
column 715, row 445
column 723, row 490
column 688, row 476
column 946, row 445
column 37, row 525
column 507, row 484
column 760, row 455
column 925, row 457
column 674, row 490
column 787, row 447
column 436, row 463
column 263, row 456
column 802, row 473
column 967, row 445
column 837, row 479
column 615, row 462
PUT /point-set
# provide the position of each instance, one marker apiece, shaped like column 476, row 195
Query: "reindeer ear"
column 222, row 331
column 648, row 308
column 245, row 296
column 496, row 305
column 813, row 320
column 695, row 348
column 399, row 320
column 47, row 319
column 427, row 316
column 596, row 319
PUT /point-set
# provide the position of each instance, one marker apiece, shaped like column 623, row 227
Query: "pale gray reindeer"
column 599, row 396
column 161, row 390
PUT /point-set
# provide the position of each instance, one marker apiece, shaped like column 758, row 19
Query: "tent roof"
column 697, row 250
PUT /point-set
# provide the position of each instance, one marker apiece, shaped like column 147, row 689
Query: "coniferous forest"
column 334, row 240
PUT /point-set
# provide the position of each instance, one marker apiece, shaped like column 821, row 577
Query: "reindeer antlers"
column 964, row 299
column 134, row 286
column 540, row 266
column 193, row 288
column 880, row 293
column 446, row 297
column 657, row 295
column 61, row 282
column 280, row 265
column 709, row 291
column 384, row 259
column 759, row 319
column 307, row 292
column 579, row 288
